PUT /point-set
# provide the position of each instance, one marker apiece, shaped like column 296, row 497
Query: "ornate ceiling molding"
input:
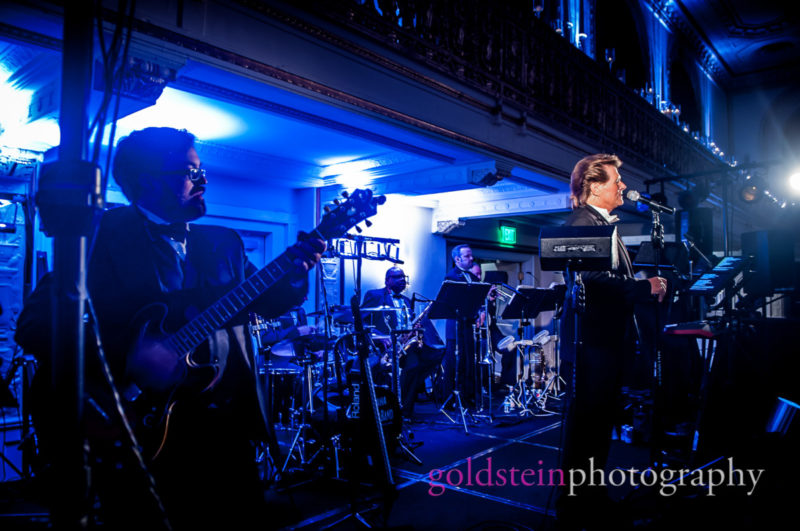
column 673, row 14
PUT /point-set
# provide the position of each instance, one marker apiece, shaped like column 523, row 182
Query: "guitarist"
column 148, row 252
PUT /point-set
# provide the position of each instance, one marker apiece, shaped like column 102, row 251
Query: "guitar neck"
column 336, row 222
column 216, row 316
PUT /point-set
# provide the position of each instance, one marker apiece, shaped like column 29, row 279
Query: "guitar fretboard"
column 193, row 333
column 358, row 207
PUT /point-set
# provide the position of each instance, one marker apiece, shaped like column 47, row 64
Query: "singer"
column 607, row 327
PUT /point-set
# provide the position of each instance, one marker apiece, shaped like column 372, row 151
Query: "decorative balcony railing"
column 503, row 50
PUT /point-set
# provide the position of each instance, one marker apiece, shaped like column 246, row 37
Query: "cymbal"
column 381, row 309
column 343, row 316
column 334, row 309
column 288, row 348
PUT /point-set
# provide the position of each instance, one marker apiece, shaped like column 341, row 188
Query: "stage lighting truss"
column 371, row 249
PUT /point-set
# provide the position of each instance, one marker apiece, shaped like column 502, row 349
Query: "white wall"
column 423, row 253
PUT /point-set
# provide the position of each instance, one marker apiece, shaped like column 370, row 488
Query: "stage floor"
column 498, row 476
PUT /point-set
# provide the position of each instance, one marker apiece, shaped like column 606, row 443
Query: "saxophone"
column 414, row 337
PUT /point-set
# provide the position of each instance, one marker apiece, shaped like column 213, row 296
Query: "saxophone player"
column 418, row 359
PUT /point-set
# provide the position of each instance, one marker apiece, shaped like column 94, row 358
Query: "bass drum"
column 354, row 420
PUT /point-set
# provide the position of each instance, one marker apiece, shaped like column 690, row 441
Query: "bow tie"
column 174, row 231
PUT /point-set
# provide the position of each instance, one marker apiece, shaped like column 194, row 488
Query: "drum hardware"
column 536, row 384
column 263, row 387
column 301, row 440
column 523, row 394
column 511, row 402
column 280, row 366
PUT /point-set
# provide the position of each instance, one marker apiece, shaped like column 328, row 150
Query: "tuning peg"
column 368, row 223
column 327, row 209
column 336, row 202
column 345, row 194
column 358, row 229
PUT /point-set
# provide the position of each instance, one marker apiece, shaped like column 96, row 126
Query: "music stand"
column 459, row 301
column 527, row 303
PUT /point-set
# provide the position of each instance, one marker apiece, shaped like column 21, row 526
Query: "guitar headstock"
column 356, row 207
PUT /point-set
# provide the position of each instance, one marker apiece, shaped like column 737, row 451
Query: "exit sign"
column 508, row 234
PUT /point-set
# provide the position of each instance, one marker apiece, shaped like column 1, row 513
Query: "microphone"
column 633, row 195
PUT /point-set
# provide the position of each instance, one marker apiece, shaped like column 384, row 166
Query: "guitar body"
column 159, row 381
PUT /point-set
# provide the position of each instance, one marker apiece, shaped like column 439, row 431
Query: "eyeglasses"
column 196, row 174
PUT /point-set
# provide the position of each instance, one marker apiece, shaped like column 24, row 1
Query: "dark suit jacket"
column 456, row 275
column 610, row 297
column 131, row 268
column 384, row 297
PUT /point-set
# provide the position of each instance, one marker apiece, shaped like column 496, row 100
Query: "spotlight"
column 794, row 181
column 752, row 189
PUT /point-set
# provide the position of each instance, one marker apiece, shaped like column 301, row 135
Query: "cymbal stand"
column 306, row 408
column 525, row 397
column 262, row 365
column 540, row 396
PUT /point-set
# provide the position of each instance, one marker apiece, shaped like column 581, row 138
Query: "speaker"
column 773, row 265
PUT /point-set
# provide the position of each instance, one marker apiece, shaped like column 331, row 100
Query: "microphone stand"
column 700, row 253
column 656, row 447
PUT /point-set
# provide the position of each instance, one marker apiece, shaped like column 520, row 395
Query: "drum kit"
column 534, row 372
column 305, row 386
